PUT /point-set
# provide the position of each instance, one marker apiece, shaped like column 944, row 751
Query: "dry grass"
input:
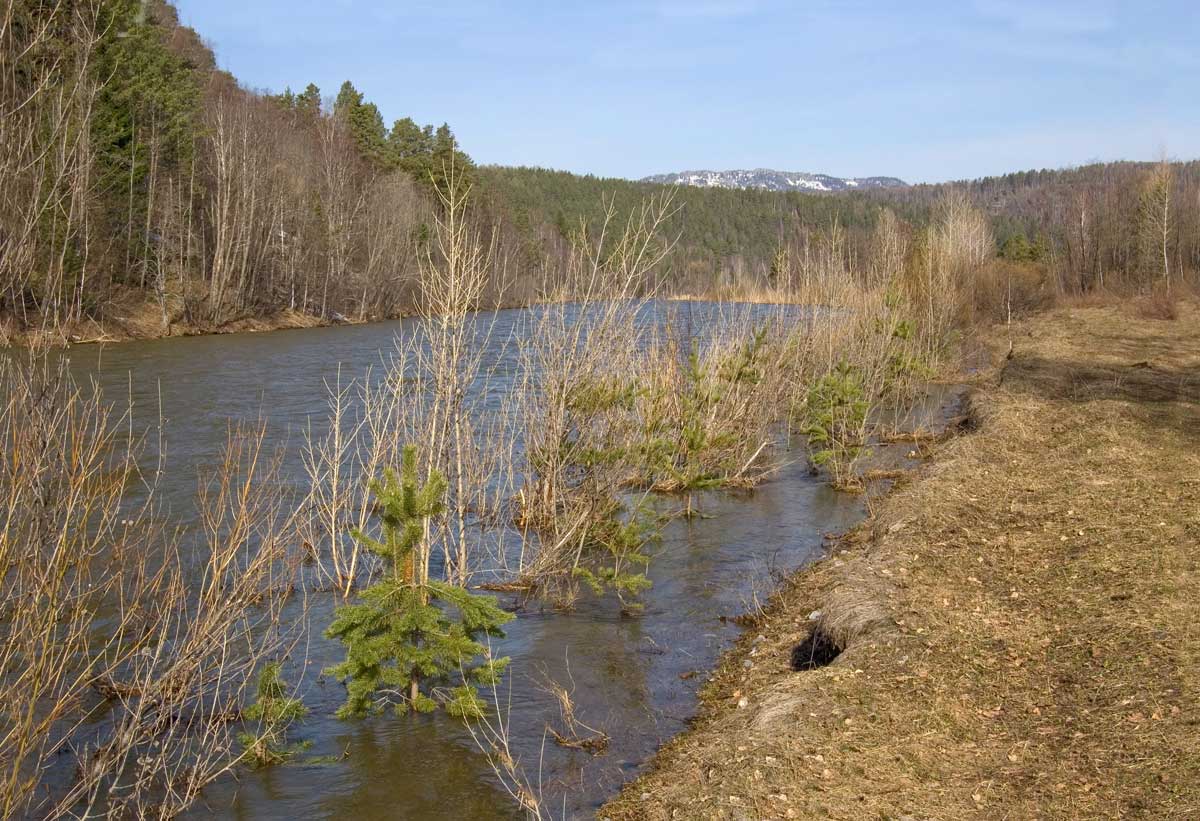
column 1019, row 620
column 740, row 292
column 1161, row 303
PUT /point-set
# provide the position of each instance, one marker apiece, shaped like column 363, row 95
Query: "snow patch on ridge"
column 770, row 180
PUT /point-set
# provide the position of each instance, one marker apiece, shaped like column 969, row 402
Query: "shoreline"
column 139, row 328
column 142, row 322
column 1005, row 634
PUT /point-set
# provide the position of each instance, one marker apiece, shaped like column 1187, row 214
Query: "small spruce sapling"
column 698, row 458
column 622, row 562
column 904, row 362
column 409, row 633
column 835, row 417
column 274, row 711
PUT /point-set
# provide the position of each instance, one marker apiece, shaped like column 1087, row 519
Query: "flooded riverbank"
column 634, row 678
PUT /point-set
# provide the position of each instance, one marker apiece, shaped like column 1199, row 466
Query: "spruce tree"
column 347, row 100
column 273, row 711
column 409, row 632
column 447, row 157
column 409, row 148
column 308, row 102
column 364, row 123
column 835, row 414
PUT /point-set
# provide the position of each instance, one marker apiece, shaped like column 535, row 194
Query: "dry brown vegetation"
column 128, row 652
column 1017, row 623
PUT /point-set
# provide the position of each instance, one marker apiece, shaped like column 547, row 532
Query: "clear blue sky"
column 927, row 91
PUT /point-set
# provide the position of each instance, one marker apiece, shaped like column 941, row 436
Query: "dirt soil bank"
column 131, row 315
column 1020, row 620
column 137, row 318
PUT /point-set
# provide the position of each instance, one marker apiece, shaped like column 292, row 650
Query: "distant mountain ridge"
column 771, row 180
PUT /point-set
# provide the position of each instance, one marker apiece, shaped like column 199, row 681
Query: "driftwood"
column 594, row 744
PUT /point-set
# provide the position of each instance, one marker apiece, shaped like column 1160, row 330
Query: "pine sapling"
column 409, row 633
column 835, row 416
column 619, row 562
column 274, row 711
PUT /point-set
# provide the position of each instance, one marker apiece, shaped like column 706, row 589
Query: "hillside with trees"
column 1097, row 226
column 142, row 181
column 722, row 236
column 1111, row 225
column 137, row 171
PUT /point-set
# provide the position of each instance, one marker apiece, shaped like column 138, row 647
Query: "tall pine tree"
column 364, row 122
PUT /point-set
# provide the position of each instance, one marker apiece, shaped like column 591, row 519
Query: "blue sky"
column 926, row 91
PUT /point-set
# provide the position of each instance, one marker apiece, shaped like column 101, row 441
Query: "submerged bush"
column 700, row 428
column 617, row 560
column 274, row 711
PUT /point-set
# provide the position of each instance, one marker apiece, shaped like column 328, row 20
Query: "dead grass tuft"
column 1161, row 303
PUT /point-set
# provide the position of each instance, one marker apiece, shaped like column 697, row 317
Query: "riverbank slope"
column 133, row 316
column 1018, row 620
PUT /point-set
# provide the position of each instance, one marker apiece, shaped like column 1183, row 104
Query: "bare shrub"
column 360, row 439
column 1005, row 291
column 942, row 277
column 574, row 733
column 1161, row 303
column 456, row 275
column 120, row 647
column 859, row 358
column 492, row 734
column 577, row 378
column 706, row 409
column 426, row 391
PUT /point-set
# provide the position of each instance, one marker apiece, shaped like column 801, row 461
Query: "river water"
column 634, row 678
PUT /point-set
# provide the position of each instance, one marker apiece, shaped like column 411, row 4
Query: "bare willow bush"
column 578, row 366
column 956, row 246
column 359, row 440
column 428, row 391
column 456, row 277
column 126, row 655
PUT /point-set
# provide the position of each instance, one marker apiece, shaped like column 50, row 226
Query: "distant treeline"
column 721, row 235
column 135, row 170
column 1098, row 225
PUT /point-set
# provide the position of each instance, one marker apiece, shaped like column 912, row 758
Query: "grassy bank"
column 1017, row 620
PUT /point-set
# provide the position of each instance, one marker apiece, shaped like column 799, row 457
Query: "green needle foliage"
column 274, row 711
column 695, row 450
column 835, row 417
column 409, row 633
column 620, row 563
column 906, row 367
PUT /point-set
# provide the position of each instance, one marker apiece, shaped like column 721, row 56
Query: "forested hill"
column 134, row 170
column 136, row 173
column 1085, row 224
column 722, row 234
